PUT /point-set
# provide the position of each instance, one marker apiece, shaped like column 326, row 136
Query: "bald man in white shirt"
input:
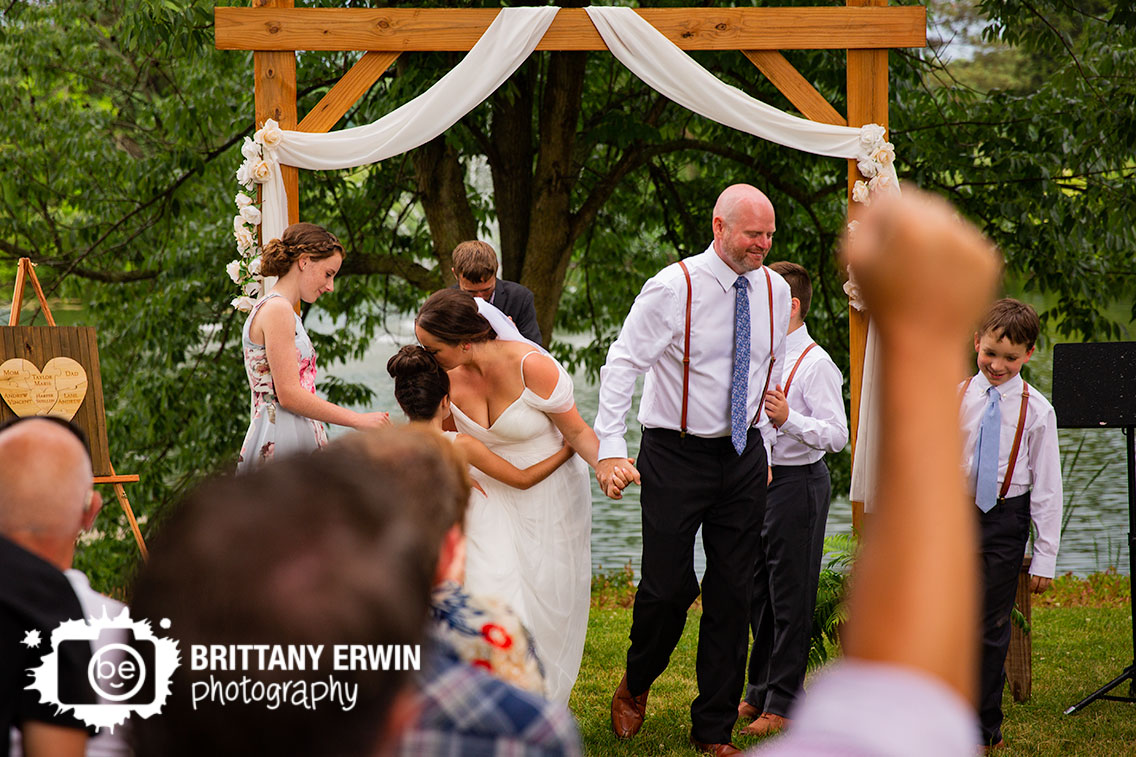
column 703, row 461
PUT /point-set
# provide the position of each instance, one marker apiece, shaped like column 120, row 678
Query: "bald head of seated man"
column 46, row 499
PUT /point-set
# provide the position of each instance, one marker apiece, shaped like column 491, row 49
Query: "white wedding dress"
column 532, row 547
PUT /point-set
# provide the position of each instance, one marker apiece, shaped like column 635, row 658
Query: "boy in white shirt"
column 810, row 419
column 1010, row 443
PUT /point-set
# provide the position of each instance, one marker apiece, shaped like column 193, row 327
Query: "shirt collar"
column 797, row 338
column 725, row 275
column 1007, row 389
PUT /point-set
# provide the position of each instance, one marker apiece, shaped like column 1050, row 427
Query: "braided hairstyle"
column 420, row 382
column 281, row 254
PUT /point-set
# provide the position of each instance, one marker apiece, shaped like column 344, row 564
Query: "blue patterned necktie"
column 986, row 464
column 739, row 385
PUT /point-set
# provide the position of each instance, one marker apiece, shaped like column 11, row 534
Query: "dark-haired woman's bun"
column 411, row 360
column 420, row 382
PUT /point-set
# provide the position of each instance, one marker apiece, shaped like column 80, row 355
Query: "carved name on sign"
column 57, row 390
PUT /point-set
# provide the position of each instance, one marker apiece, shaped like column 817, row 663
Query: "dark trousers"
column 1004, row 532
column 691, row 482
column 785, row 584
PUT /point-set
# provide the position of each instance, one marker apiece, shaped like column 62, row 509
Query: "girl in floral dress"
column 287, row 416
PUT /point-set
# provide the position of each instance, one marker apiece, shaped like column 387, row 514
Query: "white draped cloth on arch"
column 504, row 46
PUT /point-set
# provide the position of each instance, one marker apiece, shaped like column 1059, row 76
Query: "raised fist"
column 924, row 271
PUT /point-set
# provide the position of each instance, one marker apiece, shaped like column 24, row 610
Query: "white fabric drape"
column 864, row 469
column 506, row 44
column 665, row 67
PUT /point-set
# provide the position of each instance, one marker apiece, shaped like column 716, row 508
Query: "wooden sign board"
column 39, row 346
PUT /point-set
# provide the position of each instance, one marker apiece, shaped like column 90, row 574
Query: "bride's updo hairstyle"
column 281, row 254
column 451, row 316
column 420, row 382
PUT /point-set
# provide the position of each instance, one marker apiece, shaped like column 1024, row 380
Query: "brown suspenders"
column 797, row 365
column 793, row 372
column 772, row 359
column 686, row 345
column 1013, row 459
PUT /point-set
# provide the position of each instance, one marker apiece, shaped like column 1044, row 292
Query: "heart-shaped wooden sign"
column 57, row 390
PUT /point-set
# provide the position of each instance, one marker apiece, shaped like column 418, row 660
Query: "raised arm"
column 926, row 277
column 278, row 322
column 495, row 466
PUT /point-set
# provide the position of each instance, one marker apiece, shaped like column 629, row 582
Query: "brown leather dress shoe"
column 766, row 725
column 718, row 750
column 747, row 711
column 627, row 712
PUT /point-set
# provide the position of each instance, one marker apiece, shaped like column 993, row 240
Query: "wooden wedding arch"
column 866, row 29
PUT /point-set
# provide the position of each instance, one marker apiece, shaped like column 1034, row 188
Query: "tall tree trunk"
column 441, row 188
column 511, row 166
column 549, row 247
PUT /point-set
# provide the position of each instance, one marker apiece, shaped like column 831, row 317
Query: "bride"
column 531, row 548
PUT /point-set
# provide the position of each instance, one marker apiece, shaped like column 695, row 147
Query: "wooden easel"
column 26, row 270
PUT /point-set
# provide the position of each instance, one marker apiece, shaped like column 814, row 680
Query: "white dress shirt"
column 817, row 422
column 1038, row 469
column 651, row 342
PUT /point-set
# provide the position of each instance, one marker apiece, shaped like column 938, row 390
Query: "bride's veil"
column 503, row 324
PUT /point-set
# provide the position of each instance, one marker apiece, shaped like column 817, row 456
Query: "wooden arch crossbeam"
column 866, row 29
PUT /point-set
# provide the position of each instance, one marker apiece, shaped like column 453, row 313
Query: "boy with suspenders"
column 1010, row 447
column 810, row 419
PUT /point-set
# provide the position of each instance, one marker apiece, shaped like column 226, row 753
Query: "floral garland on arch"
column 876, row 162
column 255, row 170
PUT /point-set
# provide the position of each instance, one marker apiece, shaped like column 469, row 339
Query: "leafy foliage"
column 831, row 611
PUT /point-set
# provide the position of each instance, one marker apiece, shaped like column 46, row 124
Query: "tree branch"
column 636, row 158
column 1068, row 49
column 109, row 277
column 162, row 195
column 370, row 263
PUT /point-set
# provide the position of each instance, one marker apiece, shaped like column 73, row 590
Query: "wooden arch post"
column 867, row 77
column 867, row 29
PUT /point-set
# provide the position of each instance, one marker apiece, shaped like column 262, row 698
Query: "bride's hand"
column 625, row 473
column 614, row 474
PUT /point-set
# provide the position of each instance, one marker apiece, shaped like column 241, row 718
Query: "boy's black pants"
column 785, row 584
column 1004, row 532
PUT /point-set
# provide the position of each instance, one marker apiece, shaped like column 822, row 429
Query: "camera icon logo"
column 128, row 672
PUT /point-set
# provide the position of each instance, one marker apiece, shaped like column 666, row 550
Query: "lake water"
column 1095, row 486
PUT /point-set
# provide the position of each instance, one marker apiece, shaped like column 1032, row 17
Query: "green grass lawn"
column 1082, row 638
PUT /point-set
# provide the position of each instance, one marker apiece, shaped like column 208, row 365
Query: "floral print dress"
column 273, row 430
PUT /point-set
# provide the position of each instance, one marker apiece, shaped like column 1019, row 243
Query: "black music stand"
column 1094, row 386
